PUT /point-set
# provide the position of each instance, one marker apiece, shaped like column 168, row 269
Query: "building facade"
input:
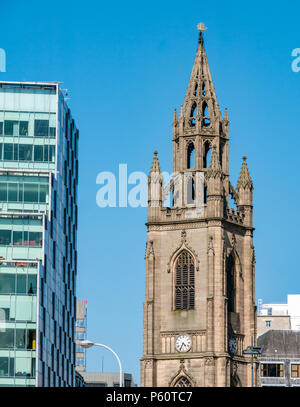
column 267, row 323
column 199, row 311
column 38, row 228
column 80, row 334
column 279, row 316
column 79, row 380
column 280, row 359
column 98, row 379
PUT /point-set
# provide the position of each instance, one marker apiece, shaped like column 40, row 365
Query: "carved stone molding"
column 189, row 140
column 210, row 246
column 187, row 331
column 149, row 249
column 209, row 139
column 215, row 222
column 182, row 372
column 148, row 363
column 233, row 241
column 178, row 226
column 183, row 246
column 253, row 260
column 183, row 236
column 210, row 361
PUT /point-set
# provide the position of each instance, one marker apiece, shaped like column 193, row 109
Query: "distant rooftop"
column 29, row 85
column 280, row 343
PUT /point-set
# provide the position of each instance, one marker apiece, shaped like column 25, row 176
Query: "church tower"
column 199, row 309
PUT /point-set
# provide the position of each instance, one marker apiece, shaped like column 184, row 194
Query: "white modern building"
column 279, row 316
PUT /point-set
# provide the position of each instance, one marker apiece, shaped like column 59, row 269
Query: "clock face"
column 232, row 346
column 183, row 343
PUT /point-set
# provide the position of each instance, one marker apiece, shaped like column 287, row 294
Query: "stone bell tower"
column 199, row 311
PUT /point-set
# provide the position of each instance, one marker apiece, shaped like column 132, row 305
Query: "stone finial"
column 201, row 27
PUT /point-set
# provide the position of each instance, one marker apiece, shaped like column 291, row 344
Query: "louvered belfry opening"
column 185, row 282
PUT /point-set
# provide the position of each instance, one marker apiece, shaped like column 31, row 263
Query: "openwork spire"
column 244, row 180
column 214, row 168
column 200, row 102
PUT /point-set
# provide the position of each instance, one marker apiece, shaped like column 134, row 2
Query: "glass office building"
column 38, row 228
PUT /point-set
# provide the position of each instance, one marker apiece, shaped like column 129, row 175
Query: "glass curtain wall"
column 27, row 137
column 18, row 314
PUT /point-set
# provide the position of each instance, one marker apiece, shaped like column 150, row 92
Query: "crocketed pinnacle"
column 244, row 180
column 226, row 118
column 175, row 119
column 155, row 163
column 214, row 168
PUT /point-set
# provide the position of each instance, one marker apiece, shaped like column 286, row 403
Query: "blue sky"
column 126, row 66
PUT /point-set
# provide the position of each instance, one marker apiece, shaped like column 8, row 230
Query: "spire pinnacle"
column 155, row 163
column 214, row 168
column 244, row 180
column 226, row 118
column 201, row 27
column 181, row 112
column 200, row 108
column 175, row 119
column 201, row 39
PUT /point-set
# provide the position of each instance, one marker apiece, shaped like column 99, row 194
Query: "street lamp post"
column 88, row 344
column 252, row 350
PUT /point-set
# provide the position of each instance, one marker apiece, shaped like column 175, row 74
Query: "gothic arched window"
column 196, row 90
column 183, row 382
column 172, row 197
column 205, row 194
column 184, row 282
column 191, row 156
column 230, row 280
column 205, row 115
column 193, row 114
column 206, row 155
column 190, row 191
